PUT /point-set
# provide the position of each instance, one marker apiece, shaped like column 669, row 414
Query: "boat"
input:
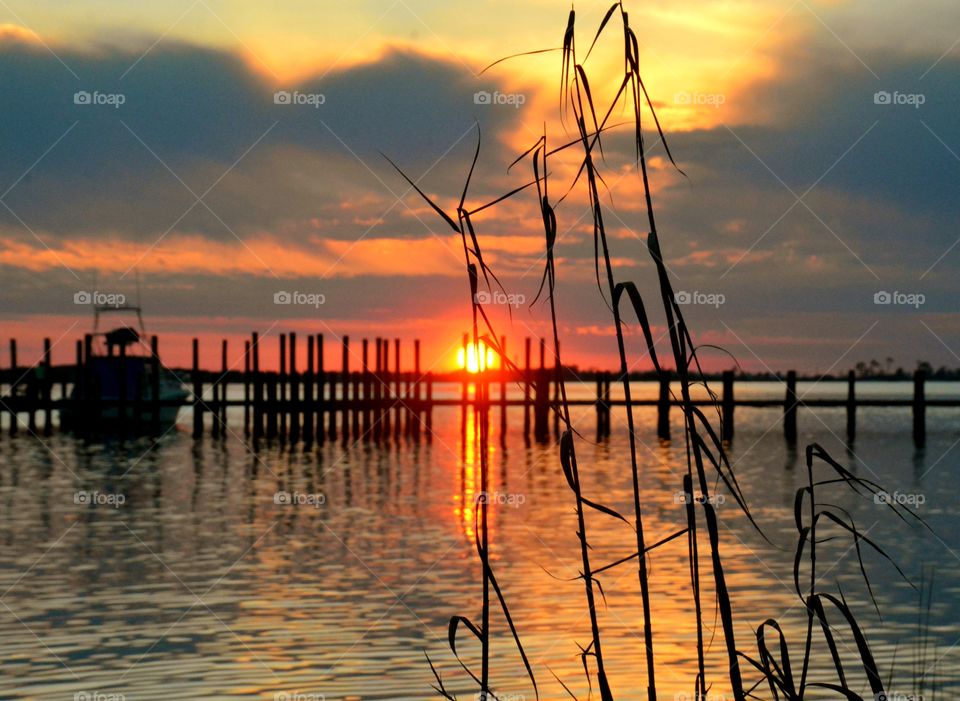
column 119, row 374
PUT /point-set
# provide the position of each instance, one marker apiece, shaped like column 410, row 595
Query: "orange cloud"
column 14, row 32
column 264, row 255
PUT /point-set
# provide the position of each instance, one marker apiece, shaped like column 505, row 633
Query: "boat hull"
column 95, row 403
column 108, row 419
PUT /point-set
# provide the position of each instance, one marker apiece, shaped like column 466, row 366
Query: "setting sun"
column 473, row 362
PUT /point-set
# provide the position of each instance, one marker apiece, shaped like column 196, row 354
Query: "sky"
column 144, row 152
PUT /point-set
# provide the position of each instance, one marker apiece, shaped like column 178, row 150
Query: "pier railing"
column 370, row 396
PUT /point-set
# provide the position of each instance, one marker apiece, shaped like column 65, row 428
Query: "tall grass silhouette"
column 775, row 667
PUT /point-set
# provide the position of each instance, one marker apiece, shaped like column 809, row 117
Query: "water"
column 186, row 580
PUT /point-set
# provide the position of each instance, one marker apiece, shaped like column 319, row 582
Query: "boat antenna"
column 136, row 278
column 96, row 312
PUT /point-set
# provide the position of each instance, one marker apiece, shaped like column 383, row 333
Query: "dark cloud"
column 200, row 111
column 884, row 180
column 828, row 128
column 884, row 208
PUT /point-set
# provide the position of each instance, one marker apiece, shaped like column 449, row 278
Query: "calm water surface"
column 200, row 585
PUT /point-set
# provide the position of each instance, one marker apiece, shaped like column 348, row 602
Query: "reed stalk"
column 705, row 451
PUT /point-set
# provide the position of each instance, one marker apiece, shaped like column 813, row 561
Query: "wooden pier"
column 369, row 397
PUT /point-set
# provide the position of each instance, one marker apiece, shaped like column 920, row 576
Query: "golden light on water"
column 475, row 358
column 471, row 486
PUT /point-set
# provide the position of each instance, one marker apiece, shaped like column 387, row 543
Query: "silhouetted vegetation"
column 771, row 666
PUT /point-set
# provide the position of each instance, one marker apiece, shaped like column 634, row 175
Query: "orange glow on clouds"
column 14, row 32
column 264, row 255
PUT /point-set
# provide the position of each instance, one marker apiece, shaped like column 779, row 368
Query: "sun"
column 469, row 359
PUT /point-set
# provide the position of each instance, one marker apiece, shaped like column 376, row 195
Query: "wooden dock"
column 370, row 397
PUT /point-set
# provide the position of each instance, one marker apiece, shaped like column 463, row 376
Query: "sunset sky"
column 808, row 191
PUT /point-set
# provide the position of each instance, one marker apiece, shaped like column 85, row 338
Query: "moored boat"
column 119, row 380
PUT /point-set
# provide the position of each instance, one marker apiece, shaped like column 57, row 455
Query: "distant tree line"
column 874, row 370
column 865, row 370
